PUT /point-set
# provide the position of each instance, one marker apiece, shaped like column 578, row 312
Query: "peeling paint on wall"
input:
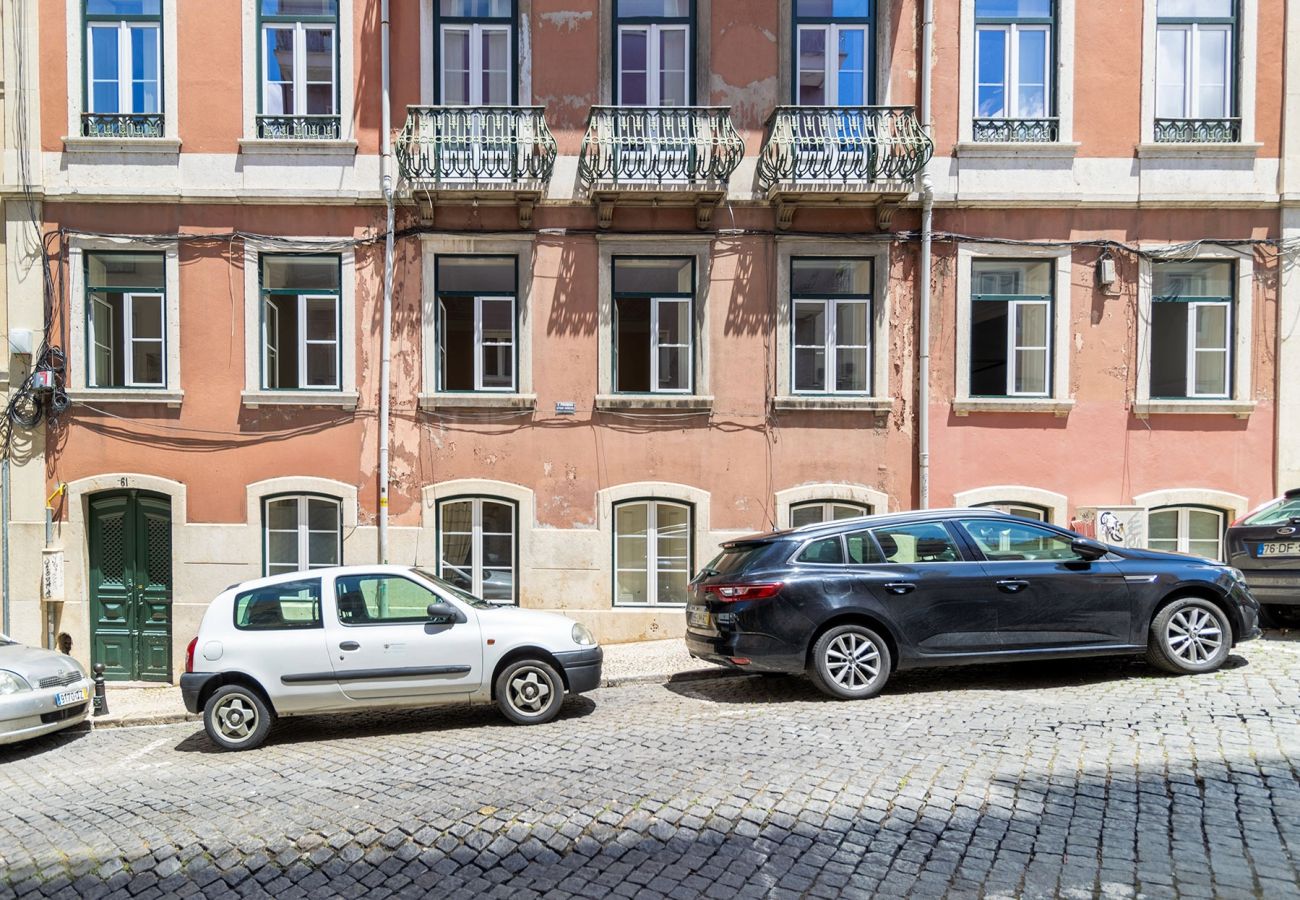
column 566, row 20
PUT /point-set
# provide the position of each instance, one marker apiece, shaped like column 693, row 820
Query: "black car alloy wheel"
column 1188, row 636
column 850, row 662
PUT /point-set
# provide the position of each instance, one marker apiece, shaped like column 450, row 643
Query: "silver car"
column 40, row 691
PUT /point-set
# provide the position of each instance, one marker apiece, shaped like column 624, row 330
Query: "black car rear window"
column 1279, row 512
column 277, row 607
column 734, row 560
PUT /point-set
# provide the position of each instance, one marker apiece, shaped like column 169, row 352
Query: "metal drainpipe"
column 385, row 338
column 927, row 228
column 4, row 542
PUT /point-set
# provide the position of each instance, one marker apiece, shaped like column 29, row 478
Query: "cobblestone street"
column 1077, row 779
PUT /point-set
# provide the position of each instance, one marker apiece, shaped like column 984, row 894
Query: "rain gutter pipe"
column 385, row 338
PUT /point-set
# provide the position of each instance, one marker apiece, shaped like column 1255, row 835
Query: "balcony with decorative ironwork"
column 842, row 155
column 298, row 128
column 1015, row 131
column 122, row 125
column 1198, row 131
column 489, row 154
column 680, row 155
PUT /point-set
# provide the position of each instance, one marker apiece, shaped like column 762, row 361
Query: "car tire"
column 1188, row 637
column 850, row 662
column 529, row 692
column 237, row 718
column 1276, row 615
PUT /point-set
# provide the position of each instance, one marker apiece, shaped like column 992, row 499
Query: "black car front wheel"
column 850, row 662
column 1189, row 636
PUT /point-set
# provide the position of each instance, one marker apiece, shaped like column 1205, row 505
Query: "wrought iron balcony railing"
column 299, row 128
column 658, row 145
column 122, row 125
column 475, row 144
column 1016, row 131
column 1199, row 131
column 859, row 145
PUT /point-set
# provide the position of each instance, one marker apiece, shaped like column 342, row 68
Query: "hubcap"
column 1194, row 635
column 529, row 690
column 235, row 717
column 852, row 661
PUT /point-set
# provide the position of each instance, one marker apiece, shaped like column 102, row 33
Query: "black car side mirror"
column 443, row 614
column 1089, row 549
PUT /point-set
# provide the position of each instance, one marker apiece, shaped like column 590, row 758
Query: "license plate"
column 1278, row 548
column 698, row 617
column 67, row 698
column 1273, row 580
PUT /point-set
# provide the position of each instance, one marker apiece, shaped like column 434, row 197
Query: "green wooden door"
column 131, row 585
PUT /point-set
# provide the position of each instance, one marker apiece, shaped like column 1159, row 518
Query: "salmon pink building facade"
column 660, row 275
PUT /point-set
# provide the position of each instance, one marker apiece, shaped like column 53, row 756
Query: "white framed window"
column 123, row 64
column 817, row 511
column 652, row 552
column 476, row 61
column 299, row 64
column 654, row 331
column 653, row 49
column 476, row 322
column 126, row 320
column 1194, row 59
column 301, row 322
column 301, row 532
column 1191, row 330
column 1014, row 57
column 831, row 325
column 1195, row 530
column 1011, row 325
column 1024, row 510
column 478, row 546
column 834, row 52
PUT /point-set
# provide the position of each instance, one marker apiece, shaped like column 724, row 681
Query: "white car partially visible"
column 40, row 691
column 361, row 637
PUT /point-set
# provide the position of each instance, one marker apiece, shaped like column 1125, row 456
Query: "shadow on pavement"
column 38, row 745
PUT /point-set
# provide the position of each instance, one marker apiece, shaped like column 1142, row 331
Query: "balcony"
column 122, row 125
column 491, row 154
column 680, row 155
column 298, row 128
column 1198, row 131
column 837, row 155
column 1015, row 131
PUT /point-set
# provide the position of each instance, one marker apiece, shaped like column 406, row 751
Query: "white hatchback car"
column 360, row 637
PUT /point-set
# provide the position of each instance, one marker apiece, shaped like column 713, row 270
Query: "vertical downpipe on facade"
column 385, row 338
column 927, row 224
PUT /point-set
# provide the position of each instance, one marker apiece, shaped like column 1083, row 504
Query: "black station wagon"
column 851, row 601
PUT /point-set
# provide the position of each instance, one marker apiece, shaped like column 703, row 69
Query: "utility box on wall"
column 1125, row 526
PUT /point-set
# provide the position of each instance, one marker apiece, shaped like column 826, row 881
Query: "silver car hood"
column 35, row 663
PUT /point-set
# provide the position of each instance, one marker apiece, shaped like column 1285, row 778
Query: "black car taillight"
column 734, row 593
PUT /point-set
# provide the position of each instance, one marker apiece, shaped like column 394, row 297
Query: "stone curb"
column 132, row 721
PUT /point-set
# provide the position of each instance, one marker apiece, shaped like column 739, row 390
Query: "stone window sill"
column 1012, row 149
column 341, row 399
column 963, row 406
column 289, row 147
column 93, row 396
column 1176, row 150
column 478, row 401
column 653, row 402
column 827, row 403
column 161, row 145
column 1239, row 408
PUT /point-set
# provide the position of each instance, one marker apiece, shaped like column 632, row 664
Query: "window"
column 831, row 303
column 920, row 543
column 1191, row 330
column 862, row 550
column 126, row 343
column 652, row 552
column 1011, row 328
column 475, row 49
column 1186, row 529
column 1024, row 510
column 476, row 322
column 477, row 552
column 300, row 322
column 382, row 600
column 825, row 511
column 827, row 552
column 1000, row 540
column 654, row 328
column 302, row 532
column 654, row 46
column 299, row 60
column 1014, row 57
column 291, row 604
column 835, row 53
column 1195, row 77
column 1278, row 512
column 123, row 68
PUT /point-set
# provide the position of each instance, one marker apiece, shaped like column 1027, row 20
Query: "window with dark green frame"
column 298, row 69
column 126, row 320
column 834, row 50
column 654, row 324
column 1196, row 77
column 123, row 69
column 654, row 52
column 1015, row 55
column 477, row 322
column 476, row 43
column 1011, row 328
column 1191, row 330
column 830, row 304
column 301, row 321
